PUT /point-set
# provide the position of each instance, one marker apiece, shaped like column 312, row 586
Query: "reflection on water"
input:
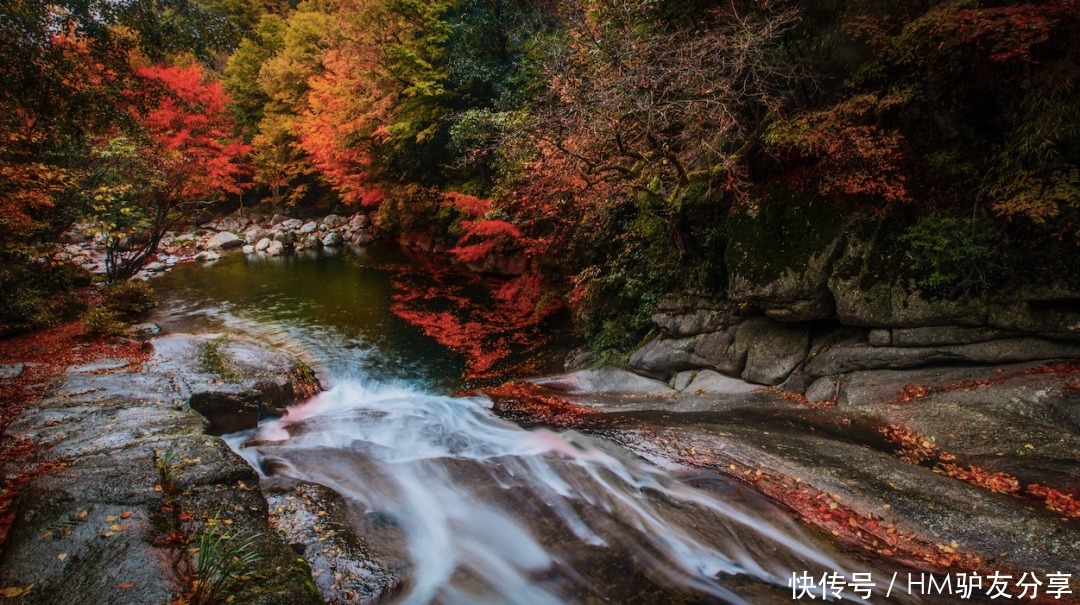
column 488, row 511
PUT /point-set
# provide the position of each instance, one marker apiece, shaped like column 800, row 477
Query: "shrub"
column 129, row 299
column 101, row 321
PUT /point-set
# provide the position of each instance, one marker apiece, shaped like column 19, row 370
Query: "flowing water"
column 487, row 511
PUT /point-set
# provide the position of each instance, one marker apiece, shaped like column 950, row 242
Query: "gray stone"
column 308, row 227
column 823, row 388
column 848, row 357
column 712, row 350
column 291, row 224
column 248, row 249
column 881, row 337
column 692, row 322
column 277, row 219
column 605, row 380
column 333, row 221
column 774, row 349
column 148, row 328
column 710, row 382
column 333, row 240
column 207, row 256
column 9, row 371
column 681, row 380
column 287, row 238
column 155, row 267
column 276, row 248
column 263, row 244
column 254, row 234
column 223, row 241
column 930, row 336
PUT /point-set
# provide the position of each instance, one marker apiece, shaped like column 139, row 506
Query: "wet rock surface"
column 992, row 436
column 140, row 480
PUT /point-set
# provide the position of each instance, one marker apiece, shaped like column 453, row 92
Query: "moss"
column 782, row 234
column 213, row 360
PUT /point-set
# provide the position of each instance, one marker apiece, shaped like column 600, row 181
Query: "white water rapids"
column 499, row 514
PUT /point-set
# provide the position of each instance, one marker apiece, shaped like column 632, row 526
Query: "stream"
column 487, row 511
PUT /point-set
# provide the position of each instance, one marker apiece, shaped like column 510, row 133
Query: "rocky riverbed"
column 140, row 480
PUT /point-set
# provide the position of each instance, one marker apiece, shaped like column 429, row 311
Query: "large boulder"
column 254, row 234
column 308, row 227
column 276, row 248
column 774, row 349
column 680, row 315
column 851, row 357
column 333, row 221
column 225, row 240
column 333, row 240
column 712, row 350
column 263, row 244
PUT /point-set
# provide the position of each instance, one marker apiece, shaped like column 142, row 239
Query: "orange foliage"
column 192, row 130
column 534, row 404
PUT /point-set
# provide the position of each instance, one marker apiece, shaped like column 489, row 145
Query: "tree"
column 185, row 158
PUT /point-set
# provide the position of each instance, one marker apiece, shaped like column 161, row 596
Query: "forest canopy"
column 614, row 143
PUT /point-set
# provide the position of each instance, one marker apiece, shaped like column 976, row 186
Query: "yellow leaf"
column 110, row 518
column 15, row 591
column 62, row 556
column 117, row 527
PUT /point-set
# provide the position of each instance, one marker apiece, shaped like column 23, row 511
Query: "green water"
column 335, row 305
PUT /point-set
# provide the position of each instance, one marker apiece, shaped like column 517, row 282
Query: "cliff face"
column 808, row 300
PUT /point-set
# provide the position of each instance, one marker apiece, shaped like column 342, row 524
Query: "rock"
column 172, row 260
column 881, row 337
column 364, row 238
column 207, row 256
column 223, row 241
column 712, row 350
column 681, row 380
column 313, row 241
column 287, row 238
column 708, row 382
column 605, row 380
column 826, row 387
column 277, row 219
column 291, row 224
column 333, row 221
column 359, row 221
column 780, row 259
column 254, row 234
column 276, row 248
column 774, row 349
column 155, row 267
column 248, row 249
column 10, row 371
column 308, row 227
column 333, row 240
column 124, row 429
column 263, row 244
column 852, row 357
column 148, row 328
column 930, row 336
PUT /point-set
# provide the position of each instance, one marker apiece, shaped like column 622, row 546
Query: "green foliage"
column 949, row 253
column 35, row 291
column 213, row 360
column 222, row 562
column 100, row 321
column 128, row 299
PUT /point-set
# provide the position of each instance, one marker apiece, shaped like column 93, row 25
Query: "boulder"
column 308, row 227
column 359, row 221
column 276, row 248
column 604, row 380
column 254, row 234
column 774, row 349
column 712, row 382
column 333, row 221
column 333, row 240
column 248, row 249
column 291, row 224
column 287, row 238
column 711, row 350
column 277, row 219
column 207, row 256
column 155, row 267
column 313, row 241
column 225, row 240
column 851, row 357
column 263, row 244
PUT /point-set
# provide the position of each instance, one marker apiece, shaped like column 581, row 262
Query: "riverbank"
column 125, row 492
